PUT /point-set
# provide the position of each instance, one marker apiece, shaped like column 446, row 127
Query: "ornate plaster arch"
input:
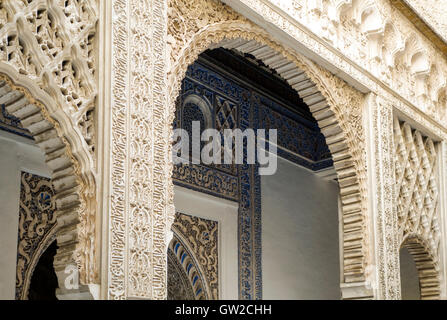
column 48, row 52
column 427, row 266
column 72, row 176
column 196, row 26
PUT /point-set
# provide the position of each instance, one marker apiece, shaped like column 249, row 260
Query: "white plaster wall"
column 300, row 251
column 409, row 279
column 16, row 155
column 225, row 213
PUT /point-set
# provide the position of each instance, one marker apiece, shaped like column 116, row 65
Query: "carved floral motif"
column 374, row 34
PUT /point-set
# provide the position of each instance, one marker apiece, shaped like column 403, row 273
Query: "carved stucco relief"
column 141, row 190
column 49, row 48
column 37, row 221
column 57, row 141
column 417, row 202
column 404, row 198
column 384, row 225
column 179, row 284
column 374, row 35
column 53, row 44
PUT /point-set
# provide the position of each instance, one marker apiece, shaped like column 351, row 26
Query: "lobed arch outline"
column 426, row 265
column 73, row 177
column 335, row 105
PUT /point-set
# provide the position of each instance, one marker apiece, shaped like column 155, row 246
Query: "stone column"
column 135, row 148
column 385, row 272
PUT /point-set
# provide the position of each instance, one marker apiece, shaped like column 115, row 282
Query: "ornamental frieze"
column 377, row 37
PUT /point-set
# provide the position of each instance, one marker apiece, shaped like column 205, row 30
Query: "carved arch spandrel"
column 191, row 268
column 73, row 179
column 335, row 105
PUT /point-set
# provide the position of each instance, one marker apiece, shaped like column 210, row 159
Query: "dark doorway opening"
column 44, row 280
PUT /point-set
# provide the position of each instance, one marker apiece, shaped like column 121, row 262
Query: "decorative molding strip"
column 417, row 202
column 384, row 224
column 141, row 189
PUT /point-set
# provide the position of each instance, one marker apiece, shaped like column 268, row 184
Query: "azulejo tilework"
column 240, row 105
column 37, row 221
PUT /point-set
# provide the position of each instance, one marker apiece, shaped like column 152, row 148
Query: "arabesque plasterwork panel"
column 201, row 236
column 52, row 45
column 37, row 221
